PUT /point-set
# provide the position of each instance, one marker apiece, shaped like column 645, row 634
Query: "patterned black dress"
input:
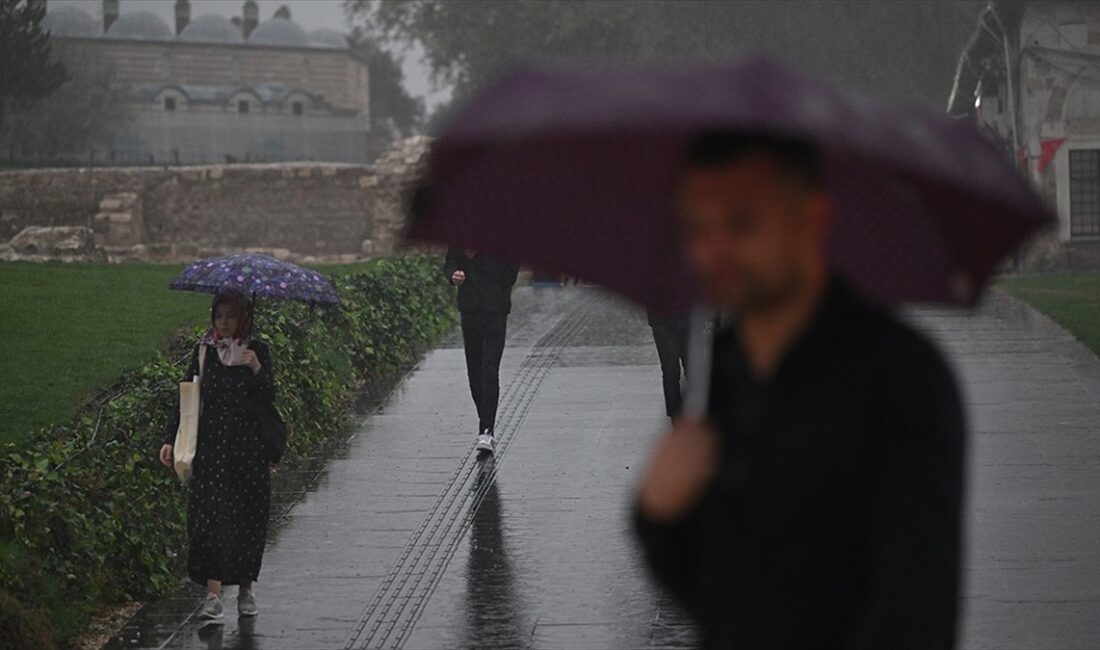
column 230, row 488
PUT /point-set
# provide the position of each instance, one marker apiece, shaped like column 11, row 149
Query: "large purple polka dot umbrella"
column 255, row 276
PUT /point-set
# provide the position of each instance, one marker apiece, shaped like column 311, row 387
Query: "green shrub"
column 87, row 514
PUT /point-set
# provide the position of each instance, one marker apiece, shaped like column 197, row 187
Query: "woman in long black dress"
column 230, row 488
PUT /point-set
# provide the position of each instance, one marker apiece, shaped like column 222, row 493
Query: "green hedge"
column 87, row 514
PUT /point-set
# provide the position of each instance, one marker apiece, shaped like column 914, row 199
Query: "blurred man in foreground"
column 818, row 505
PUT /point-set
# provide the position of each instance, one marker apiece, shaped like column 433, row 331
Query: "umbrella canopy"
column 576, row 171
column 256, row 276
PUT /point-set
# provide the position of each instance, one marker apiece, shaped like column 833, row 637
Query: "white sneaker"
column 485, row 442
column 211, row 609
column 246, row 603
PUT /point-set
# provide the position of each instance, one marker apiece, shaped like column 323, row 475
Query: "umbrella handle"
column 699, row 358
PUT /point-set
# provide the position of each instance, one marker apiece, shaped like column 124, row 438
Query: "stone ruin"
column 306, row 212
column 53, row 243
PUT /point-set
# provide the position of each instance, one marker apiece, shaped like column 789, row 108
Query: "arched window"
column 244, row 102
column 297, row 103
column 171, row 100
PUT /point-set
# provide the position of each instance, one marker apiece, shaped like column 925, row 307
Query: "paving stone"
column 403, row 538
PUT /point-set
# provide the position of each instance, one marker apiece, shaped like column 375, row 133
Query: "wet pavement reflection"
column 493, row 609
column 242, row 638
column 398, row 535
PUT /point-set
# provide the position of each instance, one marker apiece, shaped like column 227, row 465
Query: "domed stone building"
column 215, row 90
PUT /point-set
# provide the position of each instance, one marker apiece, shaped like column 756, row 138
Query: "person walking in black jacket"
column 484, row 301
column 818, row 503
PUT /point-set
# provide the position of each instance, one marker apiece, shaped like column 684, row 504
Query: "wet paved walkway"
column 1032, row 574
column 405, row 539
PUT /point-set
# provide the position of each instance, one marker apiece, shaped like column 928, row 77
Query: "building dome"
column 328, row 38
column 280, row 31
column 70, row 21
column 211, row 28
column 141, row 26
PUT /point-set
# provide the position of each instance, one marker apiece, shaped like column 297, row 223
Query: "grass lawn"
column 71, row 329
column 1071, row 299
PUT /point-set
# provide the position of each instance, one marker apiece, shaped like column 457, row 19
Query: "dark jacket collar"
column 833, row 317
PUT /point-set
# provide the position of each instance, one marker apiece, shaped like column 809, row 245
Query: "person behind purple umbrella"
column 670, row 334
column 818, row 503
column 484, row 301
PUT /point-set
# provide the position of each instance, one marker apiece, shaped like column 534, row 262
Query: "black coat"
column 834, row 522
column 261, row 394
column 488, row 284
column 229, row 496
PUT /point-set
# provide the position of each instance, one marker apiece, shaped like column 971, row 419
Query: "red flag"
column 1049, row 148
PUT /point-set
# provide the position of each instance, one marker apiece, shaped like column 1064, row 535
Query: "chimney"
column 283, row 12
column 183, row 15
column 110, row 13
column 251, row 17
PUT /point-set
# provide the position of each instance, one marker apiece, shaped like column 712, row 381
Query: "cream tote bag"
column 187, row 436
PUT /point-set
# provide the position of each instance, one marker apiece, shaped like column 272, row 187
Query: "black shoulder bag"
column 273, row 430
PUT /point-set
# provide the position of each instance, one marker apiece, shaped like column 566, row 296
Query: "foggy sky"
column 310, row 14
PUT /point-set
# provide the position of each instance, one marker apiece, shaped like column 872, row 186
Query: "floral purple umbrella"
column 256, row 276
column 575, row 171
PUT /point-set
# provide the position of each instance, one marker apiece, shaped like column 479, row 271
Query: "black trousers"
column 670, row 335
column 483, row 335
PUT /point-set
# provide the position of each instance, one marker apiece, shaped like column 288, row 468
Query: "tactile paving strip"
column 389, row 617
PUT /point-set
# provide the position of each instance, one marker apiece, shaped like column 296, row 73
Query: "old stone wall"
column 300, row 211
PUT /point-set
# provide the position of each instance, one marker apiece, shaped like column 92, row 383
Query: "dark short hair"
column 797, row 159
